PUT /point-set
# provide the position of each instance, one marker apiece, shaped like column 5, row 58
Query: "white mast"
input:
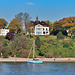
column 33, row 48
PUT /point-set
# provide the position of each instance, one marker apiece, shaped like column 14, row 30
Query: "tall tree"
column 25, row 18
column 3, row 23
column 30, row 28
column 15, row 26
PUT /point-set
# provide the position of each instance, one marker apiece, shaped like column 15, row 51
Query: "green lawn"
column 46, row 38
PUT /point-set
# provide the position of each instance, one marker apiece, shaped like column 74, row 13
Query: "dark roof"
column 40, row 22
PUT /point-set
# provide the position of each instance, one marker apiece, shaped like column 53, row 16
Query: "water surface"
column 37, row 69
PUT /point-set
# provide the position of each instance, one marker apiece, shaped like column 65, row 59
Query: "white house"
column 4, row 32
column 40, row 27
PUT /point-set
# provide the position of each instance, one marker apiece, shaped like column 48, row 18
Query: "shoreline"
column 45, row 60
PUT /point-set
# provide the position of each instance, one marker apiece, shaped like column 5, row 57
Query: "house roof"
column 39, row 22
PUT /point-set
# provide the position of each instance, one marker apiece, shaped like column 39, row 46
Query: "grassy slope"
column 62, row 48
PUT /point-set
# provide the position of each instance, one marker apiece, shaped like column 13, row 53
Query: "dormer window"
column 38, row 25
column 44, row 25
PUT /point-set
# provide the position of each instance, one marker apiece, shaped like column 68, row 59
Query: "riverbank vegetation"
column 57, row 44
column 45, row 46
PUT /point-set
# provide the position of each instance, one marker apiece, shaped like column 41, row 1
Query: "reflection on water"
column 37, row 69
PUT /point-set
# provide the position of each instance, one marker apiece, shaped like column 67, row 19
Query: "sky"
column 52, row 10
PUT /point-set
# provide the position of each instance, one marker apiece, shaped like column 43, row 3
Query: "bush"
column 10, row 36
column 66, row 45
column 49, row 55
column 36, row 35
column 60, row 35
column 46, row 35
column 24, row 53
column 73, row 37
column 5, row 55
column 37, row 42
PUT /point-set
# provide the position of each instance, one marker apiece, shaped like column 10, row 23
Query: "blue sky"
column 45, row 9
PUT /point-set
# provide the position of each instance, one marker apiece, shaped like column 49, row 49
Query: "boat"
column 34, row 61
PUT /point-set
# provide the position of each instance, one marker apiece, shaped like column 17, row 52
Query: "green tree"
column 37, row 42
column 60, row 35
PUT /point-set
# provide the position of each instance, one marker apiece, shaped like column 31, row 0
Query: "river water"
column 37, row 69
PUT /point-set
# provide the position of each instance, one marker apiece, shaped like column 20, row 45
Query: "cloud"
column 30, row 3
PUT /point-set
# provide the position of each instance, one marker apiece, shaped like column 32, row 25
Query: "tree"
column 60, row 35
column 50, row 25
column 37, row 42
column 15, row 26
column 19, row 45
column 30, row 28
column 58, row 25
column 25, row 18
column 3, row 23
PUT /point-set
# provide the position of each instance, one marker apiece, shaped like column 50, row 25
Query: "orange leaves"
column 68, row 23
column 3, row 23
column 15, row 25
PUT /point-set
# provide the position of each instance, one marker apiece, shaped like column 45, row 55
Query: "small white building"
column 40, row 27
column 4, row 32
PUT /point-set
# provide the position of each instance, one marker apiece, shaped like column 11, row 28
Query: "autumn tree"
column 15, row 26
column 65, row 24
column 20, row 46
column 3, row 23
column 70, row 25
column 30, row 28
column 50, row 25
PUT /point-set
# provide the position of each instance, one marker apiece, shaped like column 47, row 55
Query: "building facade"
column 4, row 32
column 40, row 27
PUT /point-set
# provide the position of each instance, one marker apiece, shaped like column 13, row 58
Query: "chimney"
column 37, row 19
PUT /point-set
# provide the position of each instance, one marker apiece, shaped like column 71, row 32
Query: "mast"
column 33, row 48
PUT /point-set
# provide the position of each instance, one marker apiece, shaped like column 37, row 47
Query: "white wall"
column 4, row 31
column 41, row 30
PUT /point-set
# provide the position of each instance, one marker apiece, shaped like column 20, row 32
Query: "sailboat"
column 34, row 61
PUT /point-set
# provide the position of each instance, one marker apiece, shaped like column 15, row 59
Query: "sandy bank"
column 43, row 59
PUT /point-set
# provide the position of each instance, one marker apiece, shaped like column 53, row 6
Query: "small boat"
column 35, row 61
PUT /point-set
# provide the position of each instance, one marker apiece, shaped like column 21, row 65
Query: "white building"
column 40, row 27
column 4, row 32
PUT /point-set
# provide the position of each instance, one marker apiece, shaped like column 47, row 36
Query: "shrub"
column 10, row 36
column 24, row 53
column 73, row 37
column 46, row 35
column 49, row 55
column 66, row 45
column 5, row 55
column 36, row 35
column 60, row 35
column 37, row 42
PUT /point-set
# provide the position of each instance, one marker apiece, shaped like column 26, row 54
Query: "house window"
column 38, row 33
column 43, row 32
column 43, row 28
column 38, row 25
column 38, row 28
column 46, row 28
column 46, row 32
